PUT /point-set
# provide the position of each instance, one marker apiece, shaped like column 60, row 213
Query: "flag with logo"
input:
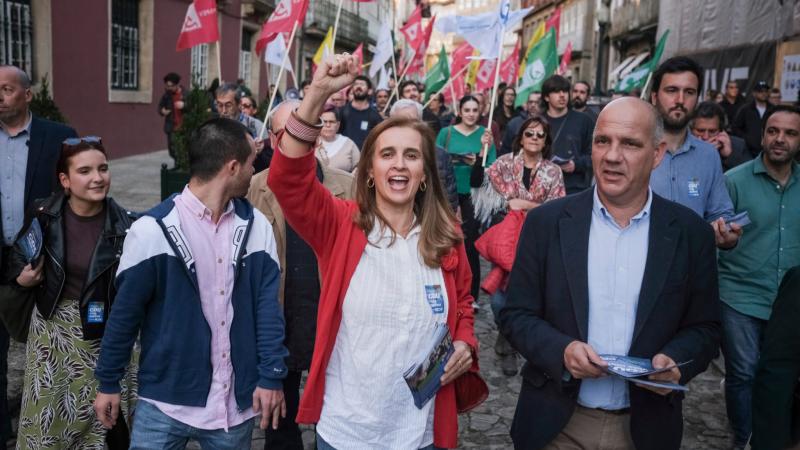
column 438, row 74
column 418, row 59
column 460, row 59
column 537, row 36
column 276, row 52
column 282, row 20
column 199, row 25
column 638, row 78
column 412, row 30
column 554, row 21
column 565, row 59
column 325, row 49
column 384, row 48
column 542, row 62
column 484, row 77
column 510, row 66
column 483, row 31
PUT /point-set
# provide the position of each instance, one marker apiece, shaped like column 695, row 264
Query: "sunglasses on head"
column 530, row 133
column 85, row 139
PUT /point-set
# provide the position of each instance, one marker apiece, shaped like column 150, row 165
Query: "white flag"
column 483, row 31
column 383, row 49
column 383, row 81
column 276, row 51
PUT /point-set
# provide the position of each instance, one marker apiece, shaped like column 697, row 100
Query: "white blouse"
column 391, row 307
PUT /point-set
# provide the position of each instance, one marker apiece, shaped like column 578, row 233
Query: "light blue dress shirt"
column 13, row 166
column 617, row 258
column 692, row 176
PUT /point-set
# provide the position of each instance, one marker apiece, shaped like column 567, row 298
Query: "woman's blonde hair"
column 437, row 221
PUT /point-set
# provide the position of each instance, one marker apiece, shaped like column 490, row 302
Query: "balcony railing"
column 322, row 15
column 633, row 15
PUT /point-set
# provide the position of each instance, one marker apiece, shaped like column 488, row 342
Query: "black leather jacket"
column 99, row 286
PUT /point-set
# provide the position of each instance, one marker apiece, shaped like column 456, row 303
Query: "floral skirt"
column 59, row 386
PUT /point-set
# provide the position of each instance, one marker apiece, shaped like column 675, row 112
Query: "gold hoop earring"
column 370, row 182
column 423, row 186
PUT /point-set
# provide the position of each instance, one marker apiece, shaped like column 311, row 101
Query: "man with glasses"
column 708, row 124
column 228, row 101
column 29, row 149
column 170, row 107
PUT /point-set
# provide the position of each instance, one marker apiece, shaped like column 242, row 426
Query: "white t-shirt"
column 387, row 322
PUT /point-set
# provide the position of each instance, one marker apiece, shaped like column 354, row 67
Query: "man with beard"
column 572, row 134
column 359, row 116
column 768, row 188
column 691, row 171
column 409, row 89
column 381, row 99
column 749, row 120
column 512, row 130
column 580, row 95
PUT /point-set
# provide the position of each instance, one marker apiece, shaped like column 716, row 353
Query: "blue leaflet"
column 424, row 377
column 31, row 242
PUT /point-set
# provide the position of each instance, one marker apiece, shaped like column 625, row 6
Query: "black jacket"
column 776, row 403
column 444, row 165
column 548, row 307
column 748, row 126
column 99, row 285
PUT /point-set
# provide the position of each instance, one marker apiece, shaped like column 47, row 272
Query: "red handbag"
column 471, row 391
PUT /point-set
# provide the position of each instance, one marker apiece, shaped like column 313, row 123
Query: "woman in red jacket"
column 393, row 268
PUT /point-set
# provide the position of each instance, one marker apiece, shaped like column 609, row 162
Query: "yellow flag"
column 326, row 48
column 472, row 72
column 538, row 34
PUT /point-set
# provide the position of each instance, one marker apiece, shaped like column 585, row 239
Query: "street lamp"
column 603, row 18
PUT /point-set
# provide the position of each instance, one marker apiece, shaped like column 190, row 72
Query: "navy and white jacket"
column 157, row 293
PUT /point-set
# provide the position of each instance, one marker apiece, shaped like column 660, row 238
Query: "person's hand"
column 520, row 204
column 460, row 362
column 165, row 111
column 259, row 145
column 106, row 408
column 31, row 276
column 486, row 140
column 271, row 404
column 582, row 361
column 723, row 143
column 725, row 237
column 334, row 74
column 469, row 158
column 568, row 167
column 179, row 104
column 671, row 376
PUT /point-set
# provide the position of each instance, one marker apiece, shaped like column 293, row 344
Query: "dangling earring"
column 423, row 186
column 370, row 182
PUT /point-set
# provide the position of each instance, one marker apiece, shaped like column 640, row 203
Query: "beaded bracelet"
column 302, row 130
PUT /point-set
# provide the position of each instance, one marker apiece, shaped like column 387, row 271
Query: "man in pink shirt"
column 198, row 277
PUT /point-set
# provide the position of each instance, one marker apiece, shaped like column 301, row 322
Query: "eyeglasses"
column 85, row 139
column 225, row 106
column 246, row 105
column 530, row 133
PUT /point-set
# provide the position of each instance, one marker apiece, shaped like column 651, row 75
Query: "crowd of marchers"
column 333, row 238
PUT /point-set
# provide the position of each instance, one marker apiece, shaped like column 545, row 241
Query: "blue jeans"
column 322, row 445
column 152, row 429
column 741, row 345
column 498, row 301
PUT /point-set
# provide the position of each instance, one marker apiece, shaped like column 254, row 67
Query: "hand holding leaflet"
column 31, row 242
column 740, row 219
column 636, row 370
column 424, row 377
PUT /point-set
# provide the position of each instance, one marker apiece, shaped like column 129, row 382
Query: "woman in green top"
column 464, row 142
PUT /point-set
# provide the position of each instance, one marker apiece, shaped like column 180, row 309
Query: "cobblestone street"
column 135, row 185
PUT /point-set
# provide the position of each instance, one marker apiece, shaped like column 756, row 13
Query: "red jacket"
column 326, row 224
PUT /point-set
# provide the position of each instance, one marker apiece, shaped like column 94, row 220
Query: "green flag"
column 438, row 75
column 542, row 62
column 638, row 78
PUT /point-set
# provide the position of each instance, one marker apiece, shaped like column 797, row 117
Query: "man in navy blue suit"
column 29, row 149
column 615, row 269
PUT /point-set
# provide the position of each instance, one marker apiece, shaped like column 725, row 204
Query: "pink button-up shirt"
column 211, row 248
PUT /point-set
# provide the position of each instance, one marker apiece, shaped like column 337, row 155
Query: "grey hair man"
column 227, row 98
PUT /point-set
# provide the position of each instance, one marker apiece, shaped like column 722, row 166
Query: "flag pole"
column 277, row 81
column 450, row 84
column 397, row 82
column 646, row 86
column 394, row 72
column 219, row 60
column 453, row 97
column 336, row 26
column 494, row 91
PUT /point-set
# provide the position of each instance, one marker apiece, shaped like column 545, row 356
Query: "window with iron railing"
column 125, row 44
column 199, row 65
column 246, row 55
column 16, row 39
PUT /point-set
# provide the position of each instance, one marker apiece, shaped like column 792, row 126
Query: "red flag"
column 509, row 68
column 554, row 21
column 459, row 60
column 282, row 20
column 418, row 60
column 359, row 53
column 484, row 79
column 565, row 59
column 412, row 30
column 199, row 25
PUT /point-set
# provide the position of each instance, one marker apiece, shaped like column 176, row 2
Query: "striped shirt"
column 388, row 317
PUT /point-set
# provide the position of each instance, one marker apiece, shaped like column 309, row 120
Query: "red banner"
column 412, row 29
column 359, row 54
column 509, row 68
column 565, row 59
column 282, row 20
column 199, row 25
column 418, row 60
